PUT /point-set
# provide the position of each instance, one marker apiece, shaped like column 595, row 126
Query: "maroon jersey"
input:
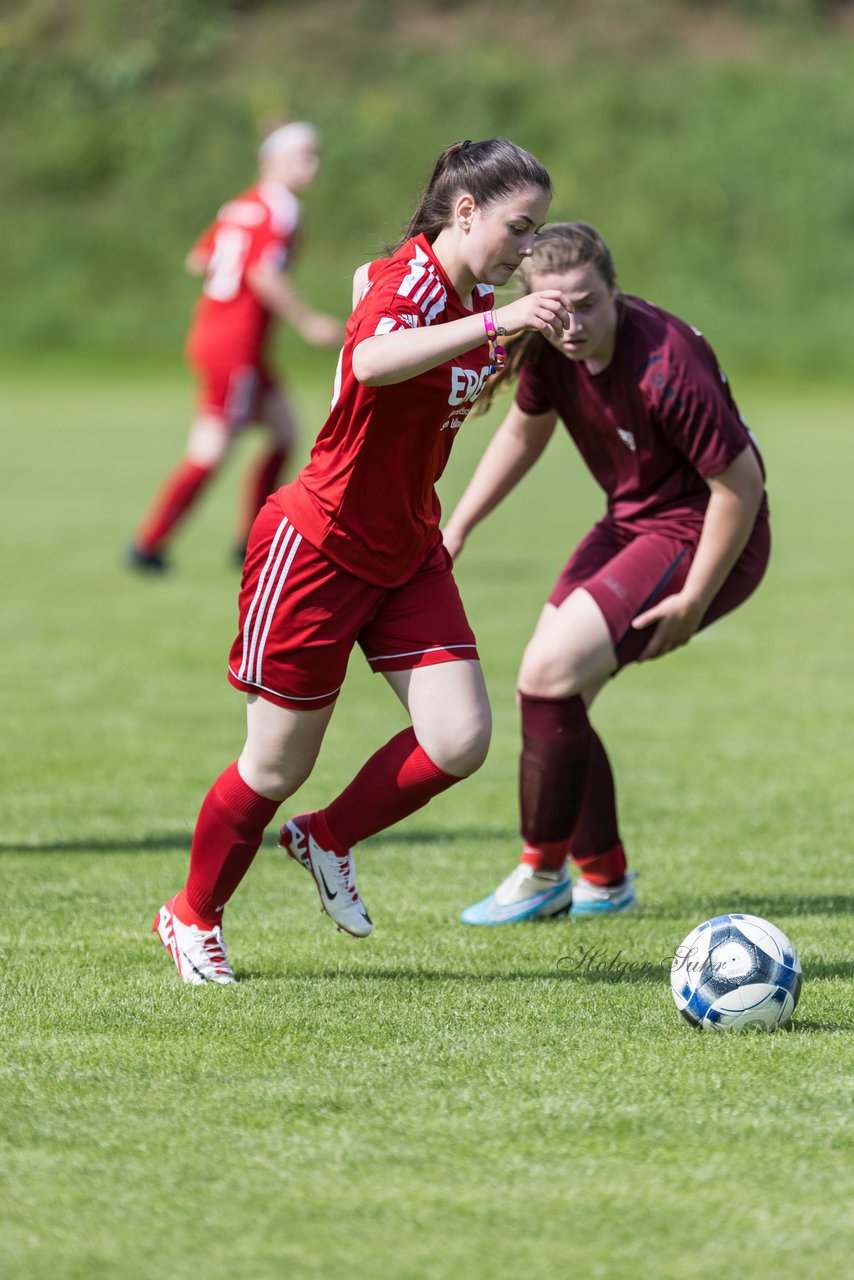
column 367, row 496
column 652, row 424
column 259, row 226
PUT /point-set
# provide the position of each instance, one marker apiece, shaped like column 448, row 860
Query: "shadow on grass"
column 580, row 963
column 806, row 1027
column 767, row 906
column 179, row 841
column 640, row 973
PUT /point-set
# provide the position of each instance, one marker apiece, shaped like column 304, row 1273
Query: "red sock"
column 596, row 846
column 397, row 780
column 603, row 868
column 175, row 497
column 262, row 479
column 548, row 855
column 228, row 833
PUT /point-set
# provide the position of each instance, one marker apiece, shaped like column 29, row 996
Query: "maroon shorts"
column 627, row 572
column 233, row 391
column 301, row 615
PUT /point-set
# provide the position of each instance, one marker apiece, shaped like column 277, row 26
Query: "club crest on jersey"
column 628, row 439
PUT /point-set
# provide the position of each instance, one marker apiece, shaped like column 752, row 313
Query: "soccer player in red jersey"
column 351, row 553
column 245, row 257
column 684, row 540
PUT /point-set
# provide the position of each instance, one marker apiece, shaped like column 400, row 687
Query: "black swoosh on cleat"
column 329, row 895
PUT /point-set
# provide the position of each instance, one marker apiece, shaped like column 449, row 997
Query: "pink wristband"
column 497, row 354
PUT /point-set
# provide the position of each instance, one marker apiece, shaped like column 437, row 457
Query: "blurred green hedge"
column 711, row 142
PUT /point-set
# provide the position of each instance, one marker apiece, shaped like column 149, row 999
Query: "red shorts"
column 301, row 615
column 230, row 390
column 626, row 572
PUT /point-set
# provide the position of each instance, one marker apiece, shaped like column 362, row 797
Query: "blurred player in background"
column 245, row 257
column 685, row 539
column 351, row 553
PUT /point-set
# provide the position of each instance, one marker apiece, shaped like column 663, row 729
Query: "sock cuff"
column 553, row 717
column 606, row 868
column 241, row 801
column 418, row 767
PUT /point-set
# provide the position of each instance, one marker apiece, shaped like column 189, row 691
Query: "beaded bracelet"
column 497, row 353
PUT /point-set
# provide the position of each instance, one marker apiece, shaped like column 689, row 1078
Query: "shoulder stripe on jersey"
column 271, row 581
column 423, row 287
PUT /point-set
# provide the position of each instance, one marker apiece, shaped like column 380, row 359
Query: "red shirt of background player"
column 259, row 226
column 244, row 258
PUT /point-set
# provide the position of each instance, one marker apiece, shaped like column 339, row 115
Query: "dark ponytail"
column 488, row 171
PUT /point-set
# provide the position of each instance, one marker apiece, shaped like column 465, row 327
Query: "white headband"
column 288, row 135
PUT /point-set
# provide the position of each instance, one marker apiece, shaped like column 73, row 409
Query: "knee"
column 549, row 673
column 461, row 748
column 208, row 444
column 271, row 776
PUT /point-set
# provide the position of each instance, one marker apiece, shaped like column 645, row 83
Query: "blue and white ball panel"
column 736, row 971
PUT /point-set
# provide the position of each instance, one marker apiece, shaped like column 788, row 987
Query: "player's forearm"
column 736, row 495
column 276, row 292
column 388, row 358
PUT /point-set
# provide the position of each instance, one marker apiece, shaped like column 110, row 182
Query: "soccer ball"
column 736, row 971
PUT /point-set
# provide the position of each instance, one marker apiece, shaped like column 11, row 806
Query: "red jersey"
column 256, row 227
column 367, row 496
column 651, row 425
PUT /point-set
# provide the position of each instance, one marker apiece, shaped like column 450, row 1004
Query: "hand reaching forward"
column 542, row 311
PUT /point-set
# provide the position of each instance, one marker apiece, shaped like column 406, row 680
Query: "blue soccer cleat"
column 599, row 900
column 526, row 894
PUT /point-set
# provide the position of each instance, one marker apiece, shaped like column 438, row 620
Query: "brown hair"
column 558, row 247
column 489, row 171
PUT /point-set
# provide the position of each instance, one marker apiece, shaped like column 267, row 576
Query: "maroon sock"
column 556, row 738
column 228, row 833
column 262, row 479
column 397, row 780
column 596, row 846
column 175, row 497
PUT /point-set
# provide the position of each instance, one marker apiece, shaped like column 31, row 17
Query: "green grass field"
column 434, row 1101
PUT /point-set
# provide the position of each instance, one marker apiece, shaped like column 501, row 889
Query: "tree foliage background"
column 711, row 141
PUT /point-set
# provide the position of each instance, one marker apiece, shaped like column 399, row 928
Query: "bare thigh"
column 209, row 442
column 570, row 652
column 281, row 746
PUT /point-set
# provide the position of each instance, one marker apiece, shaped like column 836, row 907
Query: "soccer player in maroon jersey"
column 684, row 540
column 245, row 257
column 351, row 552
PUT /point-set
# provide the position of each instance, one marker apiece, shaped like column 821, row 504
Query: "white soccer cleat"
column 526, row 894
column 200, row 955
column 335, row 877
column 293, row 838
column 595, row 899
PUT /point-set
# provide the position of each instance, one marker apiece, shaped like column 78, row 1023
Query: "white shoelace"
column 215, row 948
column 344, row 871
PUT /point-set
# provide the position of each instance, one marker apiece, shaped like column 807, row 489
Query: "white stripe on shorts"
column 260, row 614
column 417, row 653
